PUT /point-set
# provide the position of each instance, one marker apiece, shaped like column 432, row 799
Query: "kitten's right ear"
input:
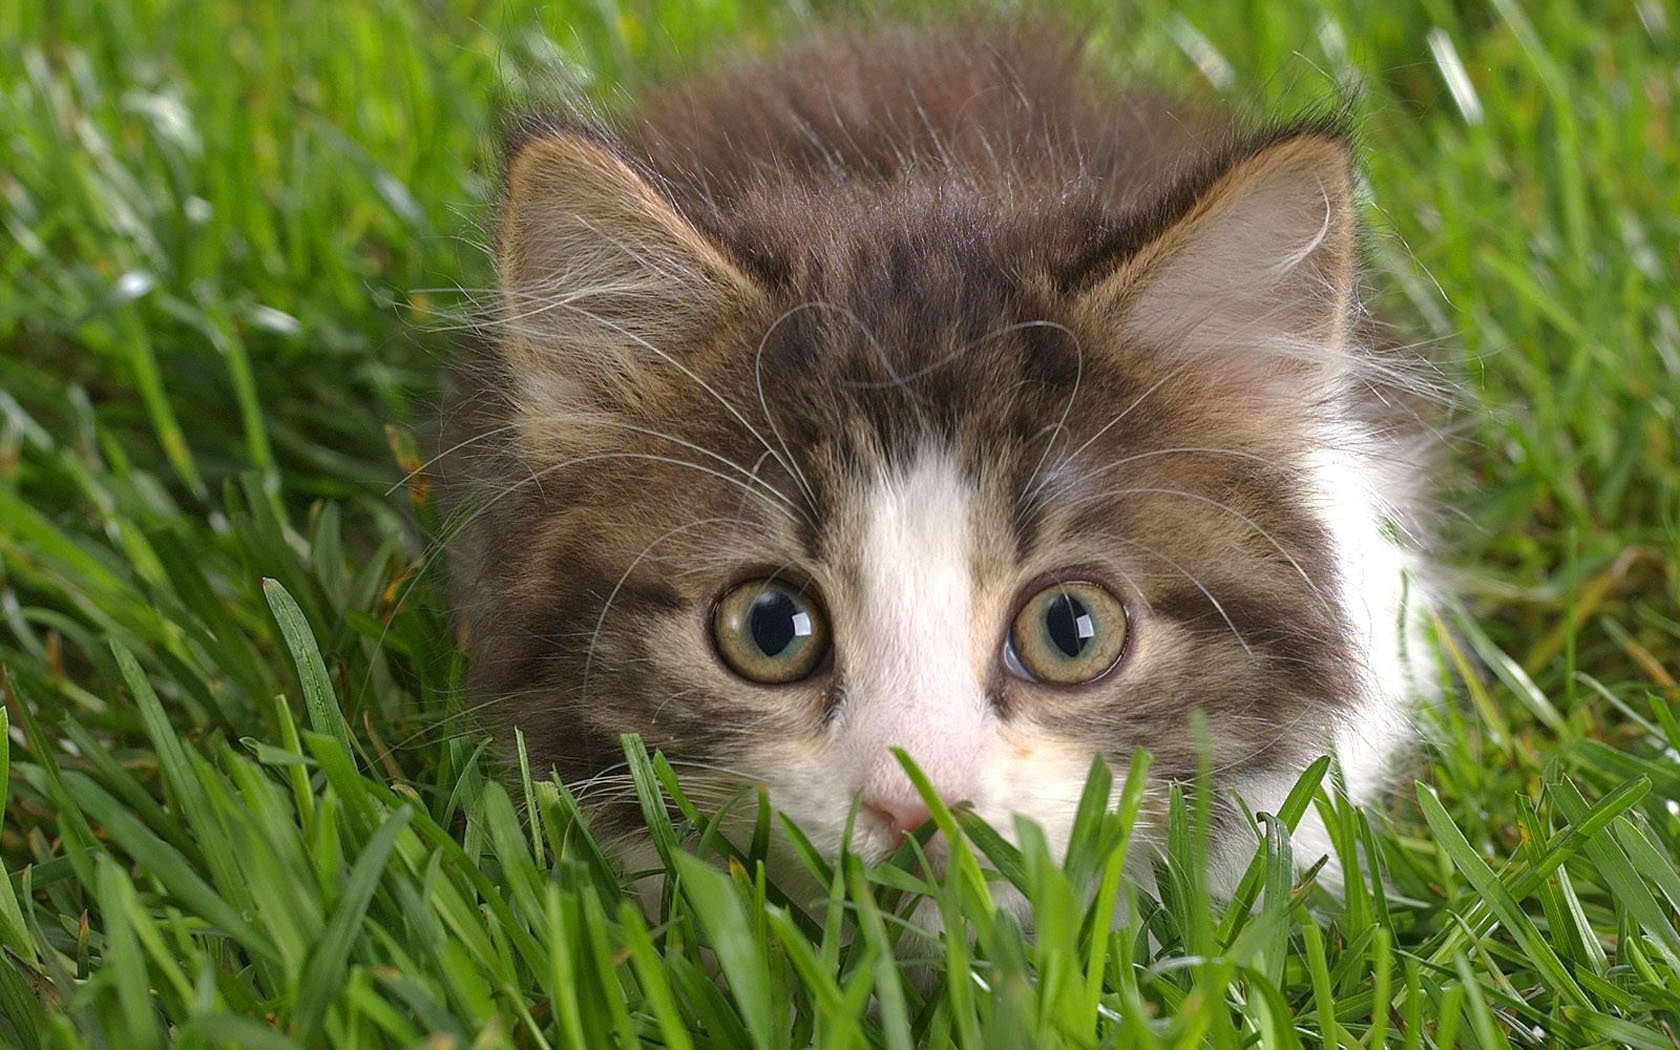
column 1246, row 277
column 605, row 286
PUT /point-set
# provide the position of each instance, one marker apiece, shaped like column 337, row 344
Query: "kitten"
column 921, row 390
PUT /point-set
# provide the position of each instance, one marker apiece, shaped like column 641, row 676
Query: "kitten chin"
column 919, row 390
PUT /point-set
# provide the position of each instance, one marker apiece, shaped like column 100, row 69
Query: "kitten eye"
column 769, row 631
column 1067, row 634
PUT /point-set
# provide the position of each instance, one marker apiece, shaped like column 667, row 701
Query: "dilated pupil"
column 1068, row 624
column 775, row 621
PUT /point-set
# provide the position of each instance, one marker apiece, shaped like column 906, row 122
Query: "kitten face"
column 917, row 408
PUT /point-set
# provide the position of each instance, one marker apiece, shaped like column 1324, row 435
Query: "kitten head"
column 1004, row 477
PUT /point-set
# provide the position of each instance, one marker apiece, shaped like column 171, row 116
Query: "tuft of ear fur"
column 1253, row 273
column 604, row 285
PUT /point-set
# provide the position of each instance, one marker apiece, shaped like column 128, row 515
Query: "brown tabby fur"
column 884, row 240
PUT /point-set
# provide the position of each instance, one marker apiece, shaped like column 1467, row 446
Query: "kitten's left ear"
column 604, row 283
column 1251, row 270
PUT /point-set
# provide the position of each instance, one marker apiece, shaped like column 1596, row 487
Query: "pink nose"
column 899, row 816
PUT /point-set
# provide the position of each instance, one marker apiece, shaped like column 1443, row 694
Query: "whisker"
column 1257, row 528
column 646, row 344
column 595, row 635
column 953, row 355
column 451, row 450
column 763, row 402
column 1199, row 586
column 1067, row 410
column 750, row 475
column 1030, row 494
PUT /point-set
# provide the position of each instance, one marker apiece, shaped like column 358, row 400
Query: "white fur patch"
column 1382, row 598
column 916, row 682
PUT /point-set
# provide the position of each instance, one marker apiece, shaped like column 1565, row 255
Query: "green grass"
column 241, row 806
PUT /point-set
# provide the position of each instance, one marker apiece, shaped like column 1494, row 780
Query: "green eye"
column 769, row 631
column 1067, row 634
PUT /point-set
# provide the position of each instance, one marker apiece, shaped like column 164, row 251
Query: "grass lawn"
column 243, row 802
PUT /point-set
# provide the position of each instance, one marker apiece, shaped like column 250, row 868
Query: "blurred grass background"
column 236, row 243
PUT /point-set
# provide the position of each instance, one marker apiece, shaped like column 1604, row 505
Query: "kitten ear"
column 603, row 281
column 1253, row 274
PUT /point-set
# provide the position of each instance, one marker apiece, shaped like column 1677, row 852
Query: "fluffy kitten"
column 925, row 391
